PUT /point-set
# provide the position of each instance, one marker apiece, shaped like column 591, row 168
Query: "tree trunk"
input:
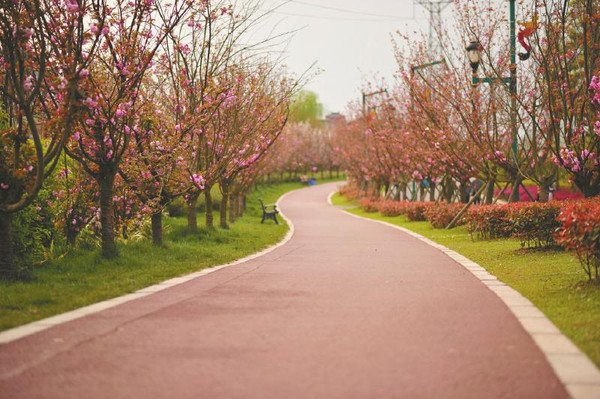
column 514, row 193
column 448, row 189
column 489, row 192
column 464, row 191
column 71, row 236
column 233, row 208
column 7, row 262
column 432, row 192
column 157, row 230
column 191, row 216
column 223, row 207
column 209, row 205
column 107, row 214
column 241, row 205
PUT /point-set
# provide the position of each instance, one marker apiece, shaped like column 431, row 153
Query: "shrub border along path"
column 575, row 370
column 43, row 324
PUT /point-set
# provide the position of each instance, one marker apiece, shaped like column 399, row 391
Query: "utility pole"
column 435, row 8
column 367, row 95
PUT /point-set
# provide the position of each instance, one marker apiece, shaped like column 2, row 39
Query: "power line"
column 347, row 10
column 335, row 18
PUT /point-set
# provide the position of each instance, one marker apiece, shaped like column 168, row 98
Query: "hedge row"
column 580, row 232
column 533, row 223
column 574, row 225
column 439, row 214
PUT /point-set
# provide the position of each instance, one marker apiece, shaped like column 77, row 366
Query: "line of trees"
column 120, row 108
column 436, row 127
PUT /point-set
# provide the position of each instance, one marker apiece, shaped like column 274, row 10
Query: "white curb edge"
column 329, row 197
column 573, row 368
column 16, row 333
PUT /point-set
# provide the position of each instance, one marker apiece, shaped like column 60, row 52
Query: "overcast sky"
column 347, row 45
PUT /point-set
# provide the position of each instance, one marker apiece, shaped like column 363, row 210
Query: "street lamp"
column 474, row 54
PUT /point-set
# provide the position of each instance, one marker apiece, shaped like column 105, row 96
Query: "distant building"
column 334, row 117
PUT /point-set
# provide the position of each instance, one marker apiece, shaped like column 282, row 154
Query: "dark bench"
column 269, row 214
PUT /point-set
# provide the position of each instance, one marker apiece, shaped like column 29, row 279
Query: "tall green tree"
column 306, row 107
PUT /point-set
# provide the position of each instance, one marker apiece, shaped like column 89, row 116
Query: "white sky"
column 347, row 46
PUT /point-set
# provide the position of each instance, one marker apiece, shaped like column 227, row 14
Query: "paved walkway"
column 346, row 309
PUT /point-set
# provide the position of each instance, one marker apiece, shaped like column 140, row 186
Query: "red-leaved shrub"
column 368, row 205
column 580, row 232
column 392, row 208
column 488, row 222
column 415, row 211
column 349, row 191
column 440, row 214
column 534, row 223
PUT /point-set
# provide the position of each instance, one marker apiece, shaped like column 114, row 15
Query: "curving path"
column 346, row 309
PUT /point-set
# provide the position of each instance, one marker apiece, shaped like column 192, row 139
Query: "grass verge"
column 83, row 277
column 553, row 280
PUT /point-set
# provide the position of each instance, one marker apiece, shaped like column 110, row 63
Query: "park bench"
column 269, row 214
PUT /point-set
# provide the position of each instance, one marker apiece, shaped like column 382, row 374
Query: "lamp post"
column 366, row 95
column 474, row 54
column 413, row 69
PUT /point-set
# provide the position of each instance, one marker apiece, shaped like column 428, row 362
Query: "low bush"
column 349, row 191
column 488, row 222
column 415, row 211
column 368, row 205
column 580, row 232
column 33, row 234
column 440, row 214
column 534, row 223
column 393, row 208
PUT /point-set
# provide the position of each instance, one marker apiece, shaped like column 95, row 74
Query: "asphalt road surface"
column 346, row 309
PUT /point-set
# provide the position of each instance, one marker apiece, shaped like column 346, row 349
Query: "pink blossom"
column 94, row 29
column 198, row 180
column 120, row 113
column 72, row 6
column 84, row 73
column 3, row 186
column 28, row 84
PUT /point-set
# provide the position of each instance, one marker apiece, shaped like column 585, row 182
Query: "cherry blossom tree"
column 129, row 35
column 45, row 51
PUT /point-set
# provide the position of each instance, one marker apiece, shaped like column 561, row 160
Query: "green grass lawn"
column 83, row 277
column 553, row 280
